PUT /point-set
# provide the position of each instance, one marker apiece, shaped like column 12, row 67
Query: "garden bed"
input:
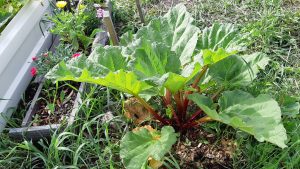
column 47, row 112
column 40, row 121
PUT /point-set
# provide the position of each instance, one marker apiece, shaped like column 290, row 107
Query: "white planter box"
column 19, row 42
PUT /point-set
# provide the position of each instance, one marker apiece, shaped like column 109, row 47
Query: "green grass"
column 89, row 143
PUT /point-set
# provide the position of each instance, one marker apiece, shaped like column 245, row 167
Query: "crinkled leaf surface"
column 155, row 60
column 176, row 30
column 217, row 43
column 220, row 36
column 237, row 70
column 158, row 65
column 126, row 38
column 260, row 116
column 107, row 68
column 137, row 147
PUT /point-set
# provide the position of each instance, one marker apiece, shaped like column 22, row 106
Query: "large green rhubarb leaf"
column 139, row 146
column 237, row 70
column 220, row 36
column 217, row 43
column 260, row 116
column 126, row 82
column 106, row 66
column 156, row 64
column 155, row 60
column 176, row 30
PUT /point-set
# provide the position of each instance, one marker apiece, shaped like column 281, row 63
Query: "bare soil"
column 62, row 106
column 212, row 153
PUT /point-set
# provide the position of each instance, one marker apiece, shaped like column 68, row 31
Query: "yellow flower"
column 61, row 4
column 81, row 7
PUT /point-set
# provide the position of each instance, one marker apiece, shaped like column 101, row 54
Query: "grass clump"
column 91, row 142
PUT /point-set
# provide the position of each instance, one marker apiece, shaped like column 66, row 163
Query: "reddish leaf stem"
column 168, row 97
column 194, row 116
column 199, row 77
column 186, row 101
column 179, row 104
column 217, row 93
column 195, row 86
column 168, row 103
column 174, row 115
column 198, row 122
column 152, row 111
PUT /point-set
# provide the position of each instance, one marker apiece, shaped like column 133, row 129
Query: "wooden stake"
column 78, row 5
column 110, row 28
column 107, row 5
column 139, row 8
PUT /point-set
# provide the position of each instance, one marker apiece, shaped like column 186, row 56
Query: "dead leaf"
column 154, row 164
column 136, row 111
column 148, row 127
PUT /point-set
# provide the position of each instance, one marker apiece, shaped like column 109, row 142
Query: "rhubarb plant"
column 175, row 61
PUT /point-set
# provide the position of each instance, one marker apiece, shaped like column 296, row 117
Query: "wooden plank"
column 76, row 105
column 140, row 11
column 101, row 38
column 110, row 28
column 107, row 5
column 33, row 106
column 33, row 133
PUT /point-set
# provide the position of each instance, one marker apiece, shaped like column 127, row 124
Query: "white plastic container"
column 19, row 42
